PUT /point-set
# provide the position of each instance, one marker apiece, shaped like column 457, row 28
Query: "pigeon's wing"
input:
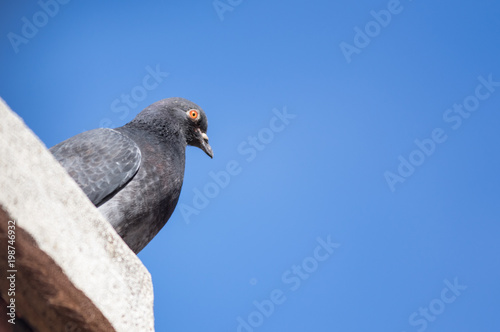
column 101, row 161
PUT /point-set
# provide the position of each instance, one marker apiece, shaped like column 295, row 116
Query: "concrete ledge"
column 74, row 273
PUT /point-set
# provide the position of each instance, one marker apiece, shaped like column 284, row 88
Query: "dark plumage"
column 134, row 173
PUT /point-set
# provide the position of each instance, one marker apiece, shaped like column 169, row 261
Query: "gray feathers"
column 134, row 173
column 101, row 161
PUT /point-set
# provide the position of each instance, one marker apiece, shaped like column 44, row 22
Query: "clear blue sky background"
column 324, row 174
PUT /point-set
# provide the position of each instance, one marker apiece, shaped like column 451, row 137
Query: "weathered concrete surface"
column 74, row 273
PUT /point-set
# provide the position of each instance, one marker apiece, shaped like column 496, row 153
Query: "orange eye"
column 193, row 114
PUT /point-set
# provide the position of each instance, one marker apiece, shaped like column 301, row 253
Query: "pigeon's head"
column 195, row 124
column 181, row 116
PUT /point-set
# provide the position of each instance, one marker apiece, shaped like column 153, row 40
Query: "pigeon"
column 133, row 174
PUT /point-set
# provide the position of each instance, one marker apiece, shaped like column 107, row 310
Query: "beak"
column 205, row 146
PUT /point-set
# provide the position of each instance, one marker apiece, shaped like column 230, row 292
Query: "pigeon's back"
column 101, row 161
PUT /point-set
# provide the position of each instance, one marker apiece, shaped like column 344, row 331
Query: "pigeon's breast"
column 142, row 207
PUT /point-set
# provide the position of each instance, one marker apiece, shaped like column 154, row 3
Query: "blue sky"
column 356, row 151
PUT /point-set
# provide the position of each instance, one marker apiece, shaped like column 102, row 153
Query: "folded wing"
column 101, row 161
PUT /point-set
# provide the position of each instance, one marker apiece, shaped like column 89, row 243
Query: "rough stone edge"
column 43, row 295
column 52, row 209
